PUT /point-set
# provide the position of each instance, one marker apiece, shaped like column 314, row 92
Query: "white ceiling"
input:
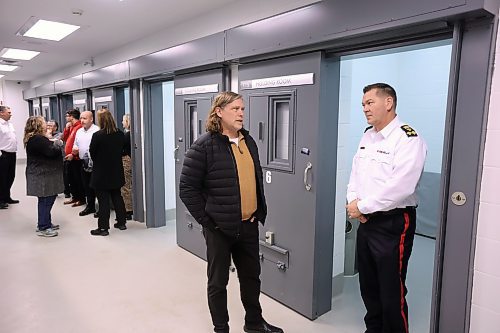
column 105, row 25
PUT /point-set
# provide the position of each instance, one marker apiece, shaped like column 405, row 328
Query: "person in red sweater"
column 75, row 164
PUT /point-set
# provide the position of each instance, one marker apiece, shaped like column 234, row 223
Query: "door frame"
column 463, row 147
column 154, row 155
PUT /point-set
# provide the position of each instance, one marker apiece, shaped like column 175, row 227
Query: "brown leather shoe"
column 70, row 201
column 78, row 203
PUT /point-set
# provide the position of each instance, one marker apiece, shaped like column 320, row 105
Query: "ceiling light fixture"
column 44, row 29
column 18, row 54
column 7, row 68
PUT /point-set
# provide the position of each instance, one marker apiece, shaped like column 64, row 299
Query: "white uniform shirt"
column 387, row 168
column 83, row 138
column 8, row 141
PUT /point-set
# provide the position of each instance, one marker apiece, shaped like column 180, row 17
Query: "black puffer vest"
column 209, row 185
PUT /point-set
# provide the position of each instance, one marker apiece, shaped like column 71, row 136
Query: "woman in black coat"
column 44, row 172
column 107, row 172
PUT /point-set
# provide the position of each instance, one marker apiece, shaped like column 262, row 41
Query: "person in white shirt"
column 8, row 149
column 382, row 195
column 81, row 147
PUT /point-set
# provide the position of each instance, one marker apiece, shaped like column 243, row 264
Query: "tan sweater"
column 246, row 176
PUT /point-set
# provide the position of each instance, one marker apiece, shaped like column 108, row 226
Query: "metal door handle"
column 306, row 171
column 261, row 130
column 199, row 127
column 176, row 151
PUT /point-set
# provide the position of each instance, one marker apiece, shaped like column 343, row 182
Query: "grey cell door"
column 193, row 98
column 291, row 114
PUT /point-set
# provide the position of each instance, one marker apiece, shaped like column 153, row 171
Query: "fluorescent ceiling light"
column 7, row 68
column 18, row 54
column 1, row 76
column 50, row 30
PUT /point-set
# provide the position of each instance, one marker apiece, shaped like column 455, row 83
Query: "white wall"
column 485, row 311
column 11, row 93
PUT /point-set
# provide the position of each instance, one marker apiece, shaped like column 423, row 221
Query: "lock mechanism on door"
column 458, row 198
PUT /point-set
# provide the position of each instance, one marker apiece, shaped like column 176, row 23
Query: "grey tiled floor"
column 138, row 280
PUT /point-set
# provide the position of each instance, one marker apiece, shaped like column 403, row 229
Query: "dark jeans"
column 103, row 197
column 44, row 207
column 384, row 246
column 89, row 191
column 245, row 253
column 7, row 174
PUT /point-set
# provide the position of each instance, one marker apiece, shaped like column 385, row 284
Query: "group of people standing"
column 221, row 185
column 85, row 163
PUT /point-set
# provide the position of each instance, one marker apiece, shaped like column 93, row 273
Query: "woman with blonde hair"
column 107, row 172
column 44, row 172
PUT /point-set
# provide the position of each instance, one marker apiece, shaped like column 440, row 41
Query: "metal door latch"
column 270, row 237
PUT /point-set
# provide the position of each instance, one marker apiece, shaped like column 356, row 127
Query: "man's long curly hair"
column 214, row 124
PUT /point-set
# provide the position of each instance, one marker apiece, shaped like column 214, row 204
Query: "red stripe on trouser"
column 401, row 252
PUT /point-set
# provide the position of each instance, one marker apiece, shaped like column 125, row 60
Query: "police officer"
column 221, row 186
column 381, row 194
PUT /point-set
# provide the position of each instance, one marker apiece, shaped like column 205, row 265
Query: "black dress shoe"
column 12, row 201
column 120, row 226
column 86, row 211
column 99, row 232
column 3, row 205
column 263, row 327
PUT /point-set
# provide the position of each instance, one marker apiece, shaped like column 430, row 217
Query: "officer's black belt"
column 395, row 211
column 7, row 152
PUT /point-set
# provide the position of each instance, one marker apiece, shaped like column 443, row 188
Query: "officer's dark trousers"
column 384, row 246
column 7, row 175
column 245, row 252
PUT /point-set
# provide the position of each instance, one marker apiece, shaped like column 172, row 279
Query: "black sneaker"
column 120, row 226
column 263, row 327
column 99, row 232
column 87, row 211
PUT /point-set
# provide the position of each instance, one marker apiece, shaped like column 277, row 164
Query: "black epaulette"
column 409, row 131
column 366, row 129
